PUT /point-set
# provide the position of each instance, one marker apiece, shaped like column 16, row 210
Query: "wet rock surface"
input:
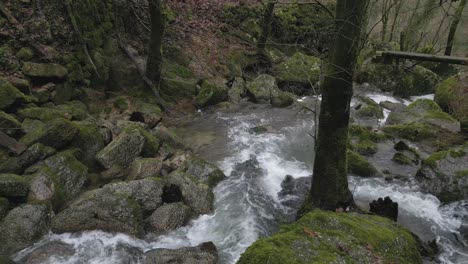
column 205, row 253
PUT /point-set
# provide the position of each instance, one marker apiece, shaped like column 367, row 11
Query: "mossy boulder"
column 55, row 133
column 89, row 140
column 195, row 194
column 168, row 137
column 134, row 141
column 9, row 94
column 282, row 99
column 44, row 70
column 98, row 210
column 178, row 81
column 328, row 237
column 25, row 54
column 298, row 73
column 450, row 95
column 359, row 165
column 262, row 87
column 204, row 171
column 211, row 93
column 46, row 186
column 31, row 155
column 8, row 123
column 12, row 185
column 145, row 168
column 168, row 217
column 237, row 91
column 23, row 226
column 402, row 159
column 444, row 174
column 70, row 110
column 366, row 111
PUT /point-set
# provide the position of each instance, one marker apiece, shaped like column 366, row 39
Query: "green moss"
column 299, row 68
column 413, row 131
column 365, row 147
column 121, row 103
column 444, row 92
column 25, row 54
column 55, row 133
column 358, row 165
column 8, row 123
column 178, row 81
column 462, row 173
column 211, row 93
column 326, row 237
column 9, row 94
column 402, row 159
column 431, row 161
column 42, row 113
column 363, row 133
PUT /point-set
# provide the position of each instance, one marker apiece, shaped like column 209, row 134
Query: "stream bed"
column 247, row 206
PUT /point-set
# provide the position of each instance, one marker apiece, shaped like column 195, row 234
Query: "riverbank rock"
column 170, row 216
column 144, row 168
column 183, row 187
column 366, row 112
column 55, row 133
column 98, row 210
column 132, row 142
column 44, row 70
column 265, row 91
column 9, row 95
column 12, row 185
column 23, row 226
column 451, row 94
column 298, row 73
column 211, row 93
column 9, row 124
column 205, row 253
column 60, row 251
column 336, row 238
column 360, row 166
column 204, row 171
column 445, row 174
column 294, row 191
column 237, row 91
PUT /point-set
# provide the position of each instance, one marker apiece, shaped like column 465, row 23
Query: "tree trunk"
column 266, row 27
column 329, row 189
column 453, row 27
column 154, row 60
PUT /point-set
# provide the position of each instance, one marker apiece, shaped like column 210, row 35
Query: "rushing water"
column 247, row 207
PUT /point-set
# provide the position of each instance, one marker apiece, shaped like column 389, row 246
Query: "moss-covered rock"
column 365, row 147
column 211, row 93
column 358, row 165
column 98, row 210
column 55, row 133
column 168, row 217
column 23, row 226
column 44, row 70
column 298, row 73
column 12, row 185
column 89, row 140
column 46, row 186
column 8, row 123
column 204, row 171
column 443, row 174
column 178, row 81
column 9, row 94
column 168, row 137
column 326, row 237
column 237, row 90
column 145, row 168
column 25, row 54
column 450, row 95
column 264, row 90
column 70, row 110
column 402, row 159
column 31, row 155
column 282, row 99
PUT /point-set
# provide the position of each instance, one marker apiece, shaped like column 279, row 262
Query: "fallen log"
column 388, row 56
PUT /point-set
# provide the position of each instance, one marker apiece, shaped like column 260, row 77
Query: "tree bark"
column 154, row 60
column 329, row 189
column 453, row 27
column 266, row 27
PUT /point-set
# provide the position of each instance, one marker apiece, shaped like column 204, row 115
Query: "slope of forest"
column 96, row 168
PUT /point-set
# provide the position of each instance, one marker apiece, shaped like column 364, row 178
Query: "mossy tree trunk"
column 154, row 60
column 266, row 27
column 454, row 26
column 330, row 181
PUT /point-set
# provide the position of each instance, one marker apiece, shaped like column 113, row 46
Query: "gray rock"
column 147, row 192
column 12, row 185
column 263, row 88
column 60, row 251
column 4, row 206
column 8, row 123
column 204, row 171
column 122, row 150
column 445, row 174
column 168, row 217
column 294, row 191
column 100, row 210
column 30, row 156
column 55, row 133
column 23, row 226
column 195, row 194
column 237, row 90
column 89, row 140
column 205, row 253
column 44, row 70
column 42, row 187
column 145, row 168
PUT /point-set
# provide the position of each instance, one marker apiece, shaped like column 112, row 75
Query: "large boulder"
column 445, row 174
column 99, row 210
column 23, row 226
column 9, row 94
column 330, row 237
column 134, row 141
column 359, row 165
column 168, row 217
column 145, row 168
column 204, row 171
column 44, row 70
column 366, row 112
column 450, row 95
column 55, row 133
column 183, row 187
column 298, row 73
column 12, row 185
column 57, row 250
column 265, row 91
column 89, row 140
column 147, row 192
column 211, row 93
column 205, row 253
column 237, row 90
